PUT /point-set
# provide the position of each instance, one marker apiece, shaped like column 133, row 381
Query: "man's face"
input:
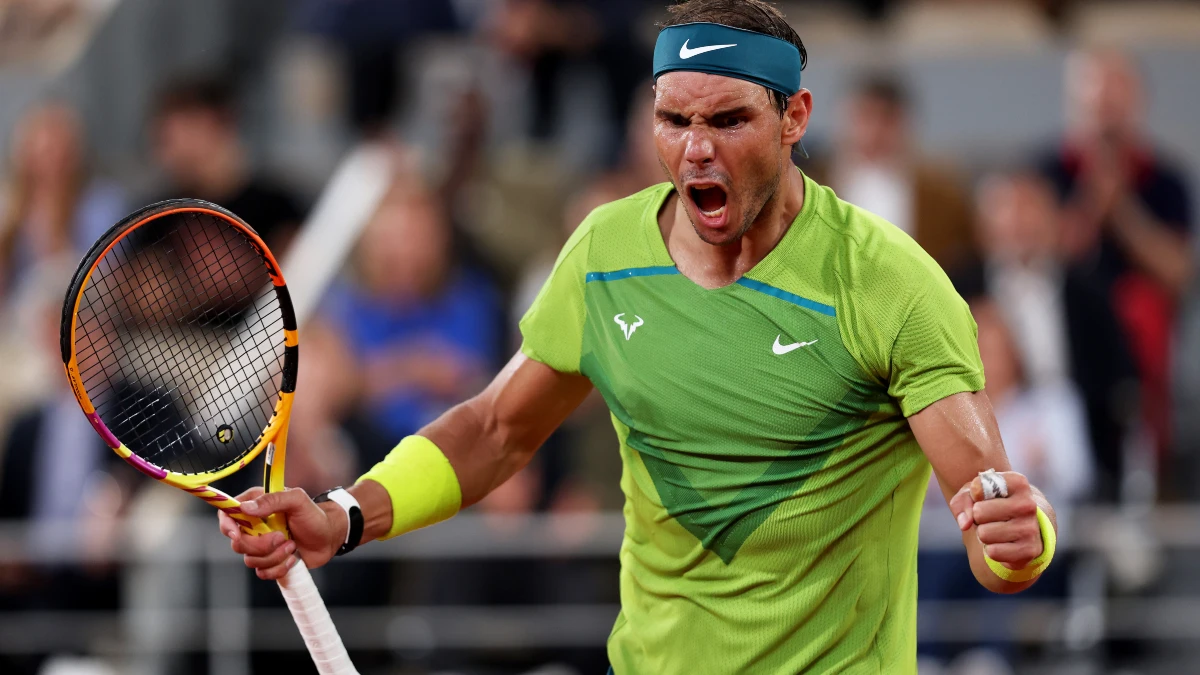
column 1018, row 216
column 718, row 138
column 875, row 129
column 1104, row 95
column 185, row 139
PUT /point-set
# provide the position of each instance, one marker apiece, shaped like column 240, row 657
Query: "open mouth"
column 709, row 199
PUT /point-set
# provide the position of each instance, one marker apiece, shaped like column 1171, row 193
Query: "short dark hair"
column 885, row 88
column 755, row 15
column 209, row 93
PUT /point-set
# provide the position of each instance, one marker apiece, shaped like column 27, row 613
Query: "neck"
column 713, row 266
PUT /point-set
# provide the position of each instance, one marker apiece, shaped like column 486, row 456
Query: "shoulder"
column 627, row 212
column 613, row 235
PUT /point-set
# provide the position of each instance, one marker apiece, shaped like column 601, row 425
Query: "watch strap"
column 349, row 504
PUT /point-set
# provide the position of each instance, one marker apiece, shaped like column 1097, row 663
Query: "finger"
column 1016, row 555
column 228, row 525
column 287, row 501
column 1008, row 531
column 276, row 557
column 1015, row 484
column 1018, row 484
column 248, row 544
column 999, row 510
column 960, row 506
column 976, row 488
column 278, row 571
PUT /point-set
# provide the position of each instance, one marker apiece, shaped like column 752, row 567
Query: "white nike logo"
column 783, row 349
column 628, row 328
column 685, row 53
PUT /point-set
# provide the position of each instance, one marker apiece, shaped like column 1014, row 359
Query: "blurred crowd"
column 1077, row 258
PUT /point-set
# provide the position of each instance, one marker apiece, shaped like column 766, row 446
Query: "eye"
column 731, row 122
column 679, row 121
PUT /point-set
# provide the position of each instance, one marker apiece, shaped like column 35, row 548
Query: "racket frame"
column 274, row 436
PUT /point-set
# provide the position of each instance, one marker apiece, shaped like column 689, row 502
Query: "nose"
column 700, row 149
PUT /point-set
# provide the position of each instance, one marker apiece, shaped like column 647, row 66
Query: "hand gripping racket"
column 180, row 343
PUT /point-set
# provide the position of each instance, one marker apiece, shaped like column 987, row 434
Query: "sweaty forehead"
column 692, row 93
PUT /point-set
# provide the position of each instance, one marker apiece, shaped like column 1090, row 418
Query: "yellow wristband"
column 421, row 483
column 1035, row 566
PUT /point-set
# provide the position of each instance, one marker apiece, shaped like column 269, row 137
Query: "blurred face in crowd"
column 1018, row 218
column 875, row 129
column 185, row 139
column 404, row 252
column 1104, row 96
column 49, row 145
column 721, row 141
column 1001, row 362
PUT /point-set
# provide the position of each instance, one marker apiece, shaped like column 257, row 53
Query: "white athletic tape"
column 312, row 618
column 994, row 484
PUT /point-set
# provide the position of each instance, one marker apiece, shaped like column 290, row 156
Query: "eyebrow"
column 731, row 112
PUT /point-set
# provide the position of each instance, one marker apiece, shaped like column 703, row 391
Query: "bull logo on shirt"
column 628, row 328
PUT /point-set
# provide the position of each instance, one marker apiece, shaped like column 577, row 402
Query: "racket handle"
column 312, row 618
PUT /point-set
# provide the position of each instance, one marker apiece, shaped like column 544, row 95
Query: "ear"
column 795, row 118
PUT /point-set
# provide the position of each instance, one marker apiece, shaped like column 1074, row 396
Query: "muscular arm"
column 490, row 437
column 486, row 439
column 960, row 438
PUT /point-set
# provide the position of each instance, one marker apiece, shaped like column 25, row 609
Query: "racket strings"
column 180, row 344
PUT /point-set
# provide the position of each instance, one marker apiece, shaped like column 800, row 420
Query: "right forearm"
column 482, row 454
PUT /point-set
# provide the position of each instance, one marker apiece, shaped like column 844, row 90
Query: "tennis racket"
column 179, row 340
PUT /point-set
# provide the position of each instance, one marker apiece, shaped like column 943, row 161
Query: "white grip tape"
column 312, row 618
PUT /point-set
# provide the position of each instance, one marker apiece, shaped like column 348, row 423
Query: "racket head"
column 179, row 340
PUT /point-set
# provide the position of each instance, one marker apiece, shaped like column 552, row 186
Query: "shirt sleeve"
column 936, row 351
column 552, row 329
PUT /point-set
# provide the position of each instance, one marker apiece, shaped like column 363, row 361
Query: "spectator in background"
column 548, row 34
column 332, row 442
column 51, row 204
column 57, row 474
column 1129, row 225
column 372, row 35
column 195, row 140
column 429, row 330
column 877, row 166
column 1064, row 327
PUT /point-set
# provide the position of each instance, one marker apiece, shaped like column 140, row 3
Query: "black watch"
column 350, row 505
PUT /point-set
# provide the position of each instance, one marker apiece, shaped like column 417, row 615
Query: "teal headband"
column 732, row 52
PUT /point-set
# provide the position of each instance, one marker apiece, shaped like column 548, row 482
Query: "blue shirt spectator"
column 427, row 331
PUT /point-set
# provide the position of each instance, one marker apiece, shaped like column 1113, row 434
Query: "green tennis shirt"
column 772, row 484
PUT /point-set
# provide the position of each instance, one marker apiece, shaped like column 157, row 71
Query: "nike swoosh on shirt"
column 685, row 53
column 783, row 349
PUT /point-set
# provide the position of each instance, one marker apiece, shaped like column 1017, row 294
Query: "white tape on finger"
column 994, row 484
column 312, row 618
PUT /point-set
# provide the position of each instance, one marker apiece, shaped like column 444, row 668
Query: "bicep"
column 528, row 400
column 960, row 438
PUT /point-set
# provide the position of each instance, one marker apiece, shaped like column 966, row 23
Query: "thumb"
column 288, row 501
column 960, row 506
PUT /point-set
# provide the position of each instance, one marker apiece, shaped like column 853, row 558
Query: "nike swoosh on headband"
column 685, row 53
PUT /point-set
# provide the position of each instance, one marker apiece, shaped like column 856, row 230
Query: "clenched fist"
column 1006, row 526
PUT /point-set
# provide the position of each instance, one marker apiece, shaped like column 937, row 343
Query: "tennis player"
column 782, row 368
